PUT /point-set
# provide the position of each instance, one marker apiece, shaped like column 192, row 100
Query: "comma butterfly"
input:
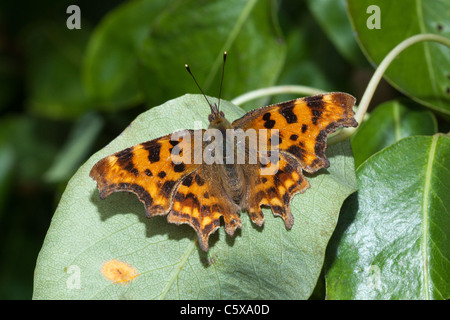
column 167, row 176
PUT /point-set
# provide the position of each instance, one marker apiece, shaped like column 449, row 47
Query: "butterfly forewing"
column 148, row 170
column 298, row 131
column 303, row 125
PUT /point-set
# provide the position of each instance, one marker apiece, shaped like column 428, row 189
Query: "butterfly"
column 168, row 179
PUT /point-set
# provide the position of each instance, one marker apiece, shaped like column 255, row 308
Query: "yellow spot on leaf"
column 118, row 271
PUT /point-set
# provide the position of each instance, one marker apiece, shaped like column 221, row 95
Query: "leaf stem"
column 269, row 91
column 368, row 94
column 373, row 83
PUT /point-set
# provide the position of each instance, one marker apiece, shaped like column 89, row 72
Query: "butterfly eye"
column 222, row 114
column 211, row 117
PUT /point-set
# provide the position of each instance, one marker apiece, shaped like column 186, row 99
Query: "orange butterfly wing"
column 147, row 170
column 303, row 125
column 200, row 202
column 189, row 193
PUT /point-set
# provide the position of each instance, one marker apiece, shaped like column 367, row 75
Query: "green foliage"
column 418, row 72
column 140, row 45
column 392, row 242
column 66, row 93
column 388, row 123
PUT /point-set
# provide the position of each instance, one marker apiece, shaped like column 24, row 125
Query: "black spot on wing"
column 179, row 197
column 154, row 149
column 199, row 180
column 288, row 114
column 179, row 167
column 188, row 180
column 194, row 199
column 125, row 155
column 297, row 152
column 321, row 144
column 272, row 192
column 125, row 160
column 317, row 106
column 167, row 188
column 162, row 174
column 268, row 124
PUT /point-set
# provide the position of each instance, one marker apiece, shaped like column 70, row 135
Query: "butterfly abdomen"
column 231, row 173
column 232, row 183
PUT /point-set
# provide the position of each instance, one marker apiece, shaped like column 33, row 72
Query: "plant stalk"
column 378, row 74
column 269, row 91
column 368, row 94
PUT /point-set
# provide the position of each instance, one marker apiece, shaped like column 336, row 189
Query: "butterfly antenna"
column 210, row 105
column 221, row 80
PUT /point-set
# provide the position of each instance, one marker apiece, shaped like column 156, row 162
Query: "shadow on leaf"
column 347, row 215
column 127, row 203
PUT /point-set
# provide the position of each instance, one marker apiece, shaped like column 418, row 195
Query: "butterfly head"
column 215, row 114
column 217, row 119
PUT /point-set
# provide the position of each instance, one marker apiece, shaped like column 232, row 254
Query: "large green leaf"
column 267, row 262
column 418, row 71
column 388, row 123
column 111, row 68
column 139, row 51
column 392, row 238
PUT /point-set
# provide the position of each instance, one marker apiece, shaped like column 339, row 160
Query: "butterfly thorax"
column 232, row 174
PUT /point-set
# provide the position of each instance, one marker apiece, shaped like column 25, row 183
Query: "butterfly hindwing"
column 200, row 202
column 274, row 187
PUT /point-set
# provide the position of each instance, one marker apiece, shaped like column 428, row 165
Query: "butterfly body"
column 231, row 174
column 201, row 193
